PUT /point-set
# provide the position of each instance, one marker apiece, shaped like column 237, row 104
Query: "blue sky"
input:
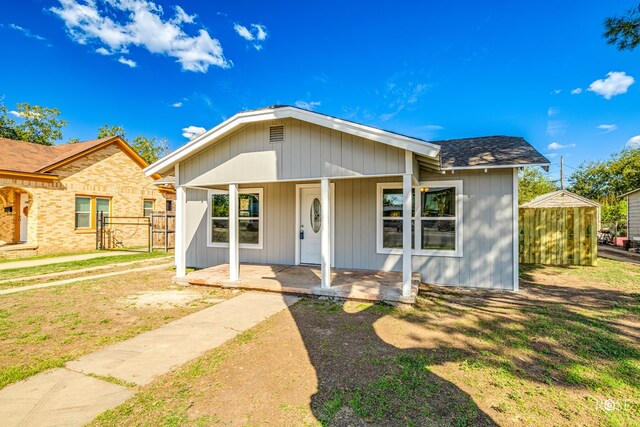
column 431, row 69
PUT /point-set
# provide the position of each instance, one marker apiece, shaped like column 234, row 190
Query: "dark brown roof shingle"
column 488, row 151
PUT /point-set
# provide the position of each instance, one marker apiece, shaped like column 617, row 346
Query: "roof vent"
column 276, row 133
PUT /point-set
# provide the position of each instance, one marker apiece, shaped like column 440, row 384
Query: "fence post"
column 150, row 228
column 166, row 232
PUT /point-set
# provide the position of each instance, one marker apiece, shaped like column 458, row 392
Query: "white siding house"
column 281, row 185
column 633, row 214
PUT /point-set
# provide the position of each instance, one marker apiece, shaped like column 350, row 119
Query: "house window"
column 87, row 208
column 250, row 218
column 147, row 208
column 169, row 206
column 436, row 218
column 83, row 212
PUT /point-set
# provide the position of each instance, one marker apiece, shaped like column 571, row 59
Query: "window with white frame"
column 249, row 223
column 436, row 218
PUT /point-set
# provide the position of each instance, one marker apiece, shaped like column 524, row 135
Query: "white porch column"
column 325, row 233
column 234, row 253
column 407, row 181
column 181, row 224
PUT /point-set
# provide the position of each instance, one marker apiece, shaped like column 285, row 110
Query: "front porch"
column 360, row 285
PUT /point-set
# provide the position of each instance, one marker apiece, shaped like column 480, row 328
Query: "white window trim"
column 260, row 244
column 458, row 252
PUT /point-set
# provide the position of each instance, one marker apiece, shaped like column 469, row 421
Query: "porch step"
column 375, row 287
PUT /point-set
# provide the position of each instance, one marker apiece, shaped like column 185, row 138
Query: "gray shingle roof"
column 488, row 151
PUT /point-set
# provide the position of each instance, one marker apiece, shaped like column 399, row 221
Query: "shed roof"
column 558, row 199
column 630, row 192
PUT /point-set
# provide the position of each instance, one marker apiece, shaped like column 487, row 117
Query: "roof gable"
column 215, row 134
column 559, row 198
column 27, row 157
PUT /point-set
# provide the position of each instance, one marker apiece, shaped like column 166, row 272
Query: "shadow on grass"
column 570, row 337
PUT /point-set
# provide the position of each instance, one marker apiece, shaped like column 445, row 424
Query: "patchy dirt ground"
column 549, row 355
column 44, row 328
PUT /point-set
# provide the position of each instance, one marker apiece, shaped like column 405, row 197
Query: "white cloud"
column 576, row 91
column 607, row 128
column 129, row 62
column 255, row 33
column 616, row 83
column 27, row 33
column 556, row 91
column 557, row 146
column 103, row 51
column 243, row 32
column 192, row 131
column 432, row 127
column 551, row 155
column 261, row 31
column 403, row 95
column 552, row 111
column 116, row 25
column 311, row 105
column 634, row 142
column 177, row 104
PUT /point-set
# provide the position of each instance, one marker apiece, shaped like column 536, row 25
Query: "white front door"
column 310, row 224
column 24, row 206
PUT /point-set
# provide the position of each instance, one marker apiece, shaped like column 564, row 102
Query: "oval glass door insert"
column 315, row 215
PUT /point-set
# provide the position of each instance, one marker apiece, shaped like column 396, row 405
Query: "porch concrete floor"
column 361, row 285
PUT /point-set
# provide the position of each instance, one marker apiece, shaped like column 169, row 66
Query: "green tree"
column 150, row 149
column 623, row 31
column 7, row 124
column 605, row 180
column 533, row 183
column 107, row 131
column 39, row 125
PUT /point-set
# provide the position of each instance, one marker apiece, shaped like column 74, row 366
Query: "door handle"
column 301, row 234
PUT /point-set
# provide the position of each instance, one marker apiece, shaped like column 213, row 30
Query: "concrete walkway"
column 69, row 397
column 618, row 254
column 83, row 278
column 60, row 259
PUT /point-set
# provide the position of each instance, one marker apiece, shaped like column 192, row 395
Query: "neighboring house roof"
column 40, row 160
column 167, row 180
column 488, row 151
column 558, row 199
column 630, row 192
column 469, row 153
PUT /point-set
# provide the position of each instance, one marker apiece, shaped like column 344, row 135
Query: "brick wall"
column 108, row 172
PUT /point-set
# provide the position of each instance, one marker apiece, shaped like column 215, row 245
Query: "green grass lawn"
column 549, row 355
column 17, row 273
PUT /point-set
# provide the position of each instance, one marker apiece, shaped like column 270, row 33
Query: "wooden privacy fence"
column 163, row 230
column 558, row 236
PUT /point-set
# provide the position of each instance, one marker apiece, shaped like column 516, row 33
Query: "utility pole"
column 562, row 172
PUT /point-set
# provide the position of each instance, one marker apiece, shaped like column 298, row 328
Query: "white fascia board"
column 456, row 168
column 630, row 192
column 226, row 127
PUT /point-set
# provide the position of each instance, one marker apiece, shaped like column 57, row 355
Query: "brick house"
column 49, row 195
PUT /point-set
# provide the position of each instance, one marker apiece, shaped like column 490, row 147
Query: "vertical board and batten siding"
column 634, row 214
column 558, row 235
column 309, row 151
column 487, row 227
column 487, row 260
column 278, row 229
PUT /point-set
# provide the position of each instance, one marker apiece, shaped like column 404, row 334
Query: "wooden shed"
column 559, row 228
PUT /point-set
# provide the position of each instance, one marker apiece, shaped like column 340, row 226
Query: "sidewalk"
column 73, row 396
column 60, row 259
column 618, row 254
